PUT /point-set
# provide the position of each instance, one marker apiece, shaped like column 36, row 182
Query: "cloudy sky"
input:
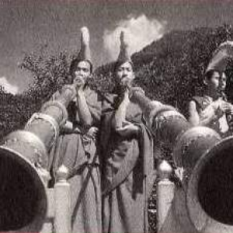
column 26, row 25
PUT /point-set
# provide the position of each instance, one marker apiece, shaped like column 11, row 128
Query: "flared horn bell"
column 209, row 195
column 23, row 200
column 24, row 160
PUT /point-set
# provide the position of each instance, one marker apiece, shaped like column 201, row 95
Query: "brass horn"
column 205, row 201
column 23, row 161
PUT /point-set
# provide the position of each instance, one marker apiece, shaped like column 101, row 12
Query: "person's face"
column 83, row 70
column 124, row 74
column 213, row 83
column 223, row 82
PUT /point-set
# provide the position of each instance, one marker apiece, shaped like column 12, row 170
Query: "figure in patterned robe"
column 212, row 109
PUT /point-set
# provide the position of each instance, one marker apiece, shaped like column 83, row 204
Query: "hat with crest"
column 220, row 57
column 84, row 53
column 124, row 55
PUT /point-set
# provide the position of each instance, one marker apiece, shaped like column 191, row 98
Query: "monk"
column 212, row 109
column 76, row 146
column 127, row 155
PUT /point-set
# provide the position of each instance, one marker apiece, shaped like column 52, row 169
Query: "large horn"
column 23, row 158
column 209, row 193
column 206, row 161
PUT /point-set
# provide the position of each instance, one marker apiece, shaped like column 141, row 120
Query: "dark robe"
column 78, row 152
column 127, row 173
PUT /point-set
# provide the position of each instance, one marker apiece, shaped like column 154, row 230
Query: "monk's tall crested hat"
column 220, row 57
column 84, row 53
column 124, row 55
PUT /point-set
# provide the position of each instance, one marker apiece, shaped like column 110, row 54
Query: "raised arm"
column 210, row 114
column 120, row 114
column 122, row 126
column 84, row 113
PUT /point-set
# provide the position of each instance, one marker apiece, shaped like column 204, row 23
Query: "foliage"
column 169, row 70
column 49, row 74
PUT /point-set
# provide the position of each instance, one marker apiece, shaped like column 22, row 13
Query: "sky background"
column 26, row 25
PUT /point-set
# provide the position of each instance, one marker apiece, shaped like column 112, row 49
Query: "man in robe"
column 127, row 155
column 212, row 109
column 76, row 147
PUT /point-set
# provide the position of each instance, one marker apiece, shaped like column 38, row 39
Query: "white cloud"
column 9, row 88
column 139, row 32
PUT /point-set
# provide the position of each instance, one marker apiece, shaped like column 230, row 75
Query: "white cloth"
column 219, row 125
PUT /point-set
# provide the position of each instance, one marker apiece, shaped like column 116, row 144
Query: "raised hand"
column 128, row 129
column 126, row 99
column 224, row 106
column 79, row 83
column 92, row 132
